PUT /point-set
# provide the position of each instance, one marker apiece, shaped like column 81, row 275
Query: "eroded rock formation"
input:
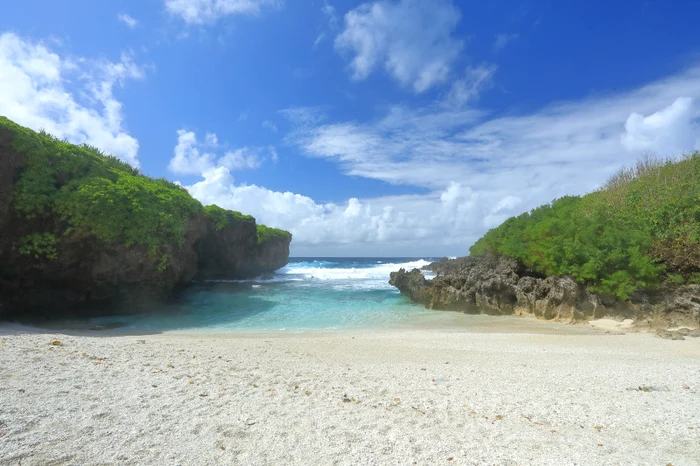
column 503, row 286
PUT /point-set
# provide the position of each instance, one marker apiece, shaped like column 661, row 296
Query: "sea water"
column 307, row 294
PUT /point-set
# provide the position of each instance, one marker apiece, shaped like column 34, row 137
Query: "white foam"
column 368, row 278
column 257, row 281
column 377, row 272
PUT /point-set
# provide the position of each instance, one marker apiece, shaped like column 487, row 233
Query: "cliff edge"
column 80, row 230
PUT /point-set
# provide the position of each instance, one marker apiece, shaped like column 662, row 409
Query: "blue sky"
column 391, row 127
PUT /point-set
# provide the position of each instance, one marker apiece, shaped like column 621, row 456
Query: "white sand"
column 613, row 325
column 555, row 395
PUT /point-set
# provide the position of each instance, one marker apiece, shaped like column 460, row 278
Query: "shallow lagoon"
column 307, row 294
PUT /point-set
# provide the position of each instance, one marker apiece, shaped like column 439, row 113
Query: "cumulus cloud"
column 192, row 157
column 188, row 158
column 209, row 11
column 385, row 225
column 502, row 40
column 476, row 170
column 71, row 98
column 472, row 170
column 240, row 158
column 666, row 132
column 130, row 22
column 411, row 39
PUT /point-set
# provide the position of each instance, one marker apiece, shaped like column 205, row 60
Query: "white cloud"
column 130, row 22
column 42, row 90
column 267, row 124
column 502, row 40
column 328, row 11
column 191, row 157
column 467, row 89
column 188, row 159
column 384, row 226
column 209, row 11
column 476, row 171
column 320, row 38
column 240, row 158
column 304, row 117
column 665, row 132
column 411, row 39
column 583, row 141
column 211, row 139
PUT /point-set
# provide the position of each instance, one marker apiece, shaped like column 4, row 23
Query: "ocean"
column 308, row 294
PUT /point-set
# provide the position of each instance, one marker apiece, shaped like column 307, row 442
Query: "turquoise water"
column 307, row 294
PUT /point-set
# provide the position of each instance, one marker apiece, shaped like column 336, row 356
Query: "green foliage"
column 676, row 278
column 132, row 209
column 272, row 234
column 39, row 246
column 98, row 194
column 642, row 228
column 223, row 217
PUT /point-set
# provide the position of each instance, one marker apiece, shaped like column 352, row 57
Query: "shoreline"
column 442, row 320
column 385, row 396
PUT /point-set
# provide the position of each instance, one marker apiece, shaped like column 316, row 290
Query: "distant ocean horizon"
column 309, row 293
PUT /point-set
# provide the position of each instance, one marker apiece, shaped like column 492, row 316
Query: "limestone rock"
column 503, row 286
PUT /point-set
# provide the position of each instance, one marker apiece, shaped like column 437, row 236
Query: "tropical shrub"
column 641, row 229
column 266, row 233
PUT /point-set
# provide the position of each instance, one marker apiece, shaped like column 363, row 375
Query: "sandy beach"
column 490, row 391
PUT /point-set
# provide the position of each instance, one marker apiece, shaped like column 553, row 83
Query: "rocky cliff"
column 233, row 247
column 503, row 286
column 80, row 231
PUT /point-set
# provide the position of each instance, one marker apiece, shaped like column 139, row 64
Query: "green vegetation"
column 95, row 193
column 104, row 196
column 39, row 246
column 272, row 234
column 640, row 230
column 223, row 217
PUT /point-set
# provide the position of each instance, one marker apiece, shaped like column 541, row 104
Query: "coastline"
column 497, row 393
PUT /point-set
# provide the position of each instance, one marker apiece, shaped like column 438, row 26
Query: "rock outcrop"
column 503, row 286
column 48, row 266
column 271, row 255
column 234, row 251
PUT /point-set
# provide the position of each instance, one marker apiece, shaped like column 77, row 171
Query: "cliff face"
column 502, row 286
column 271, row 255
column 49, row 265
column 226, row 252
column 233, row 251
